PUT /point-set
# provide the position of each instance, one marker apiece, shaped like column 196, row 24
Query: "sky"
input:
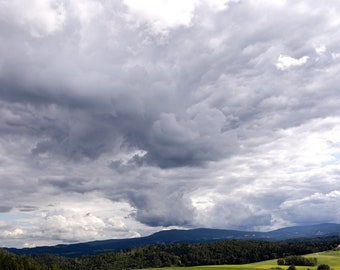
column 120, row 118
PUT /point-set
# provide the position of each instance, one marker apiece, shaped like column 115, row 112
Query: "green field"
column 332, row 258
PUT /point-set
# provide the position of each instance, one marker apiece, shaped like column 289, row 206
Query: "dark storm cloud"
column 5, row 208
column 27, row 208
column 164, row 209
column 126, row 105
column 170, row 205
column 190, row 141
column 68, row 185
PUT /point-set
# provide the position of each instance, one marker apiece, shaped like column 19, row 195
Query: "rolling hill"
column 183, row 236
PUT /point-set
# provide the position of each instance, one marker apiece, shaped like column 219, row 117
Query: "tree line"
column 297, row 260
column 10, row 261
column 213, row 253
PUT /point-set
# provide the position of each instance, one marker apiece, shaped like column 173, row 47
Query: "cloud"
column 4, row 208
column 146, row 121
column 13, row 234
column 163, row 209
column 303, row 209
column 321, row 49
column 190, row 141
column 163, row 15
column 285, row 62
column 86, row 11
column 232, row 210
column 38, row 18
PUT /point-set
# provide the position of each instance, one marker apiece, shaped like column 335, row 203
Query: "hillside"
column 237, row 253
column 331, row 258
column 183, row 236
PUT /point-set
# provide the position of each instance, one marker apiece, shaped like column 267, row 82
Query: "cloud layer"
column 120, row 119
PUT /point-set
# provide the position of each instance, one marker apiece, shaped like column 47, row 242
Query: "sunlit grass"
column 332, row 258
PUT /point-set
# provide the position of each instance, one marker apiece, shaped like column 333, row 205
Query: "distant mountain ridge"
column 183, row 236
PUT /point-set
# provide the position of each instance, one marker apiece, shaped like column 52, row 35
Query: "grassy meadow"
column 332, row 258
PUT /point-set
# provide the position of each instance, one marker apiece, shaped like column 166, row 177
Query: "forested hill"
column 151, row 256
column 184, row 236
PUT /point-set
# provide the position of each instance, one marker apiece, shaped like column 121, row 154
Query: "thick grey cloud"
column 5, row 208
column 224, row 116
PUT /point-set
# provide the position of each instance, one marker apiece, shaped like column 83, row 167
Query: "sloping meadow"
column 331, row 258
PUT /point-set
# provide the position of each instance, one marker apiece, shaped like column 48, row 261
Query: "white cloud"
column 38, row 17
column 284, row 62
column 220, row 4
column 70, row 221
column 12, row 234
column 335, row 55
column 321, row 49
column 163, row 14
column 318, row 207
column 87, row 10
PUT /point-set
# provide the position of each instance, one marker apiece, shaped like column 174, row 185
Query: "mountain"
column 183, row 236
column 320, row 230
